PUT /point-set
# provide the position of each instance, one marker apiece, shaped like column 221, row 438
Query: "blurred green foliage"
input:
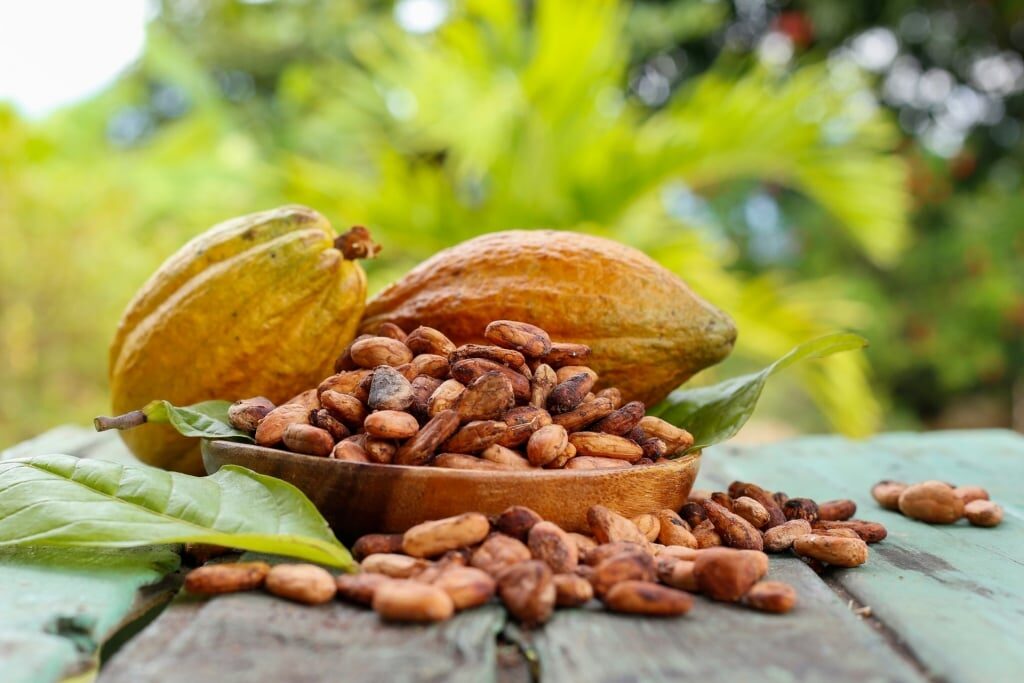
column 507, row 115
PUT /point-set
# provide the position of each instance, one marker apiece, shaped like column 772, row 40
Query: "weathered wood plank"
column 953, row 594
column 253, row 636
column 821, row 640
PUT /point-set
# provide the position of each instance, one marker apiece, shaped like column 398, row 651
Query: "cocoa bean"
column 564, row 353
column 528, row 591
column 405, row 600
column 673, row 530
column 887, row 493
column 349, row 451
column 771, row 596
column 933, row 502
column 706, row 535
column 600, row 445
column 649, row 599
column 648, row 524
column 434, row 538
column 546, row 444
column 488, row 397
column 389, row 390
column 567, row 371
column 675, row 438
column 735, row 531
column 780, row 498
column 608, row 526
column 522, row 422
column 467, row 371
column 725, row 574
column 505, row 456
column 499, row 552
column 836, row 510
column 429, row 340
column 723, row 499
column 699, row 496
column 631, row 565
column 613, row 395
column 569, row 394
column 305, row 583
column 271, row 428
column 380, row 451
column 869, row 532
column 653, row 449
column 446, row 396
column 358, row 588
column 376, row 351
column 395, row 565
column 372, row 544
column 776, row 516
column 752, row 511
column 678, row 573
column 419, row 449
column 346, row 382
column 801, row 508
column 571, row 590
column 586, row 462
column 621, row 421
column 602, row 552
column 982, row 512
column 423, row 387
column 516, row 521
column 345, row 407
column 323, row 419
column 970, row 493
column 391, row 331
column 247, row 413
column 475, row 436
column 840, row 532
column 693, row 513
column 584, row 414
column 307, row 439
column 391, row 424
column 679, row 552
column 560, row 461
column 543, row 382
column 584, row 543
column 550, row 544
column 838, row 551
column 528, row 339
column 344, row 362
column 468, row 587
column 227, row 577
column 780, row 538
column 497, row 354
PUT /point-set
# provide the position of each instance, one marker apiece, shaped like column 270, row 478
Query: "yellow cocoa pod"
column 260, row 305
column 648, row 331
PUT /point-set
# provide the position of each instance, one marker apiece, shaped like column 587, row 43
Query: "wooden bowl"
column 360, row 498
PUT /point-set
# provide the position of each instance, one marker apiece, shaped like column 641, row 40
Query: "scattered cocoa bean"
column 372, row 544
column 649, row 599
column 780, row 538
column 608, row 526
column 678, row 552
column 498, row 552
column 706, row 535
column 431, row 539
column 649, row 525
column 600, row 553
column 672, row 530
column 429, row 340
column 584, row 543
column 344, row 362
column 931, row 501
column 528, row 592
column 307, row 439
column 735, row 531
column 631, row 565
column 544, row 381
column 752, row 511
column 839, row 531
column 887, row 493
column 572, row 590
column 725, row 574
column 869, row 532
column 970, row 493
column 550, row 544
column 358, row 588
column 836, row 510
column 723, row 499
column 227, row 577
column 801, row 508
column 983, row 512
column 405, row 600
column 678, row 573
column 838, row 551
column 521, row 422
column 693, row 513
column 780, row 498
column 247, row 413
column 771, row 596
column 467, row 586
column 738, row 489
column 395, row 565
column 516, row 521
column 305, row 583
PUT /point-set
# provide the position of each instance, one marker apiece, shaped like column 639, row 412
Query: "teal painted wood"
column 249, row 637
column 58, row 606
column 821, row 640
column 953, row 594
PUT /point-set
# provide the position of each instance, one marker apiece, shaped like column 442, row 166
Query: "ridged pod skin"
column 648, row 331
column 260, row 305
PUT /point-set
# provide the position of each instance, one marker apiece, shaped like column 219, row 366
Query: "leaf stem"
column 126, row 421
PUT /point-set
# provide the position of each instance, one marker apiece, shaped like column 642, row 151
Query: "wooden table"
column 933, row 603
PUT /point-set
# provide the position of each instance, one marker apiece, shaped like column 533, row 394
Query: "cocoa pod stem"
column 126, row 421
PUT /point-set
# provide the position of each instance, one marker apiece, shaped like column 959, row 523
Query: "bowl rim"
column 218, row 447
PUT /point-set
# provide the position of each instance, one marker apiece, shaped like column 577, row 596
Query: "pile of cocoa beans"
column 938, row 502
column 650, row 565
column 520, row 402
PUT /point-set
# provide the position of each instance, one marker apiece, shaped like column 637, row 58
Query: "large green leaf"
column 715, row 413
column 64, row 500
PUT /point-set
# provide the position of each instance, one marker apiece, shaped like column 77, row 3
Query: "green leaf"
column 206, row 420
column 64, row 500
column 715, row 413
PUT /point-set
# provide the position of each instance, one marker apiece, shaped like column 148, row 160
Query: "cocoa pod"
column 376, row 351
column 497, row 354
column 349, row 451
column 836, row 510
column 776, row 516
column 982, row 512
column 621, row 421
column 528, row 339
column 613, row 395
column 569, row 394
column 631, row 565
column 528, row 592
column 693, row 513
column 563, row 353
column 305, row 583
column 358, row 588
column 423, row 387
column 674, row 531
column 838, row 551
column 600, row 445
column 933, row 502
column 869, row 532
column 887, row 493
column 446, row 396
column 372, row 544
column 395, row 565
column 546, row 444
column 391, row 424
column 434, row 538
column 488, row 397
column 501, row 455
column 271, row 428
column 389, row 390
column 584, row 414
column 586, row 462
column 516, row 521
column 675, row 438
column 726, row 575
column 228, row 577
column 345, row 407
column 735, row 531
column 677, row 573
column 649, row 599
column 404, row 600
column 970, row 493
column 571, row 590
column 247, row 413
column 428, row 340
column 801, row 508
column 466, row 371
column 706, row 535
column 522, row 422
column 475, row 436
column 752, row 511
column 780, row 538
column 771, row 596
column 550, row 544
column 380, row 451
column 608, row 526
column 498, row 552
column 419, row 449
column 307, row 439
column 468, row 587
column 649, row 525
